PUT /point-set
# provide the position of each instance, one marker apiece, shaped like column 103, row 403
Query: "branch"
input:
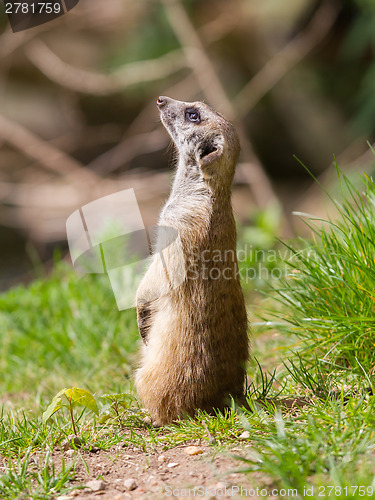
column 89, row 82
column 9, row 41
column 41, row 210
column 128, row 149
column 285, row 60
column 43, row 152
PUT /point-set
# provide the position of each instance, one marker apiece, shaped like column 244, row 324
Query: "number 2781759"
column 33, row 8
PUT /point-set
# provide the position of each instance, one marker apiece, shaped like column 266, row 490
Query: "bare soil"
column 163, row 473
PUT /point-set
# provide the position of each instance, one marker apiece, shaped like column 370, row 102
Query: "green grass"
column 328, row 294
column 326, row 443
column 40, row 482
column 64, row 331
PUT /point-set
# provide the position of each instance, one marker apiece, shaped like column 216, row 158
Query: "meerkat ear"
column 210, row 151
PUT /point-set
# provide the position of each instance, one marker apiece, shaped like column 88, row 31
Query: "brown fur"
column 195, row 334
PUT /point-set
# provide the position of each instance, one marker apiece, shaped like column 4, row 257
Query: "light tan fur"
column 190, row 305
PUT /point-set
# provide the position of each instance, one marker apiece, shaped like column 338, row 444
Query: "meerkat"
column 195, row 333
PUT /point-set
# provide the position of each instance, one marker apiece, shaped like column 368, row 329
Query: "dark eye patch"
column 192, row 115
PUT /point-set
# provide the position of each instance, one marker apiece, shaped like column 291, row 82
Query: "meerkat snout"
column 162, row 100
column 195, row 334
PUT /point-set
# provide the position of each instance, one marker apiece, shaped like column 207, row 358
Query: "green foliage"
column 263, row 231
column 118, row 410
column 41, row 481
column 18, row 431
column 328, row 293
column 262, row 385
column 258, row 252
column 69, row 398
column 328, row 443
column 71, row 324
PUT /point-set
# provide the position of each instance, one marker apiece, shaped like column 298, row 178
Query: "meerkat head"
column 203, row 137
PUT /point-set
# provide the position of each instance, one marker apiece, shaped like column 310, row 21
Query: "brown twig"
column 43, row 152
column 88, row 82
column 41, row 210
column 219, row 27
column 64, row 196
column 10, row 42
column 128, row 149
column 285, row 60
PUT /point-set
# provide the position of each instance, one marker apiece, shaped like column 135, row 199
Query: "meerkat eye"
column 192, row 115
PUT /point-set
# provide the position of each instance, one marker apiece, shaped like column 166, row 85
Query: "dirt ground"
column 124, row 473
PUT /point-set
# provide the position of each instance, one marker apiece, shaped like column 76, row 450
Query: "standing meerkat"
column 195, row 333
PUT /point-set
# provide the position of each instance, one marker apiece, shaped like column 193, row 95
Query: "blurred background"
column 78, row 118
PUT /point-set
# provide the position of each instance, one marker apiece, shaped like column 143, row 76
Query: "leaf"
column 54, row 406
column 120, row 398
column 71, row 397
column 104, row 418
column 81, row 397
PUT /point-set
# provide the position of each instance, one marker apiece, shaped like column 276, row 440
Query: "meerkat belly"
column 192, row 360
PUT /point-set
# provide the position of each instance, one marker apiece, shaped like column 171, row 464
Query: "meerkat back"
column 194, row 329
